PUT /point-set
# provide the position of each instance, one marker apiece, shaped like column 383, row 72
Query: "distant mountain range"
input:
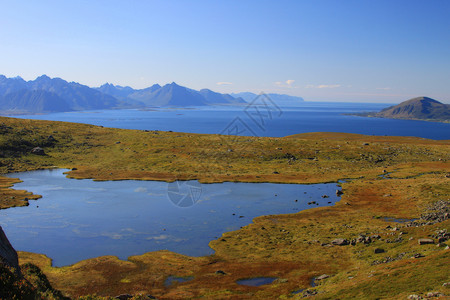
column 167, row 95
column 50, row 95
column 420, row 108
column 279, row 99
column 46, row 95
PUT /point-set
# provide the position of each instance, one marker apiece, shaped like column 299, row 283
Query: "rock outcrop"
column 8, row 255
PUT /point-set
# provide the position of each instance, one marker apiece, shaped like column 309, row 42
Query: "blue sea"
column 80, row 219
column 258, row 120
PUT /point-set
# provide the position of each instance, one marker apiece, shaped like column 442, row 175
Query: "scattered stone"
column 365, row 144
column 433, row 294
column 340, row 242
column 417, row 255
column 51, row 138
column 446, row 284
column 375, row 237
column 38, row 151
column 309, row 293
column 425, row 241
column 389, row 259
column 322, row 277
column 118, row 142
column 276, row 172
column 339, row 193
column 414, row 297
column 325, row 196
column 379, row 250
column 436, row 213
column 360, row 239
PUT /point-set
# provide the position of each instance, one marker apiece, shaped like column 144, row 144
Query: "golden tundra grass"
column 283, row 246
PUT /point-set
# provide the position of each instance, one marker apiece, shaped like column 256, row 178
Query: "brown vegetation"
column 294, row 248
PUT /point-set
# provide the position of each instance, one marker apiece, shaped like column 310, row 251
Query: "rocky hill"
column 420, row 108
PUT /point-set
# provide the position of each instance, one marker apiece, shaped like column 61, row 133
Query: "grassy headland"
column 294, row 248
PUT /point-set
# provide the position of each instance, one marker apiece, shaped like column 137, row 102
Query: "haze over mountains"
column 279, row 99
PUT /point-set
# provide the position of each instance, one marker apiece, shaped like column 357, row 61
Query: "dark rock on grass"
column 220, row 272
column 425, row 241
column 38, row 151
column 340, row 242
column 379, row 250
column 124, row 297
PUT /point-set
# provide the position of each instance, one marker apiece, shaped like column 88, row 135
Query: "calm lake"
column 258, row 120
column 80, row 219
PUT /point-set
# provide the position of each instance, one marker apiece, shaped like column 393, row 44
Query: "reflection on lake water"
column 80, row 219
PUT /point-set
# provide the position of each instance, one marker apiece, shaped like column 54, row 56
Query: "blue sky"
column 358, row 51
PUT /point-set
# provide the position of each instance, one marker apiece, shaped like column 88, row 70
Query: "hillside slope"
column 421, row 108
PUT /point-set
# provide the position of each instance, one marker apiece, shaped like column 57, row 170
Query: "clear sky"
column 338, row 50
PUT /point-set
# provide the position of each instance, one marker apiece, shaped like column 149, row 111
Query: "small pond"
column 80, row 219
column 256, row 281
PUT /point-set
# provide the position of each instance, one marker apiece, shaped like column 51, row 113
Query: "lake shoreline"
column 296, row 247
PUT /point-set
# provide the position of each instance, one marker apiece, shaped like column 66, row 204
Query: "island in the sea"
column 419, row 108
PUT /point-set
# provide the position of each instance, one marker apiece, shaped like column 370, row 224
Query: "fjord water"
column 80, row 219
column 272, row 121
